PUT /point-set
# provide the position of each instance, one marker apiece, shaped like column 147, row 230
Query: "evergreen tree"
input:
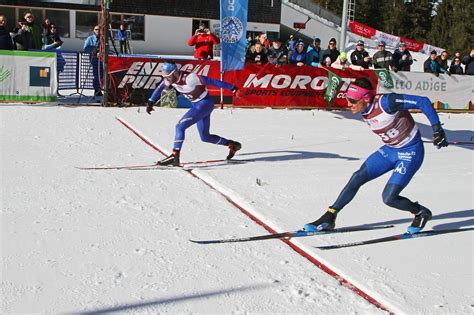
column 462, row 28
column 420, row 13
column 369, row 13
column 442, row 23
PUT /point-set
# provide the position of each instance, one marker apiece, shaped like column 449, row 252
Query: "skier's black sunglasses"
column 351, row 100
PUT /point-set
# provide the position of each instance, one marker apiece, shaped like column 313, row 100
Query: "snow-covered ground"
column 76, row 241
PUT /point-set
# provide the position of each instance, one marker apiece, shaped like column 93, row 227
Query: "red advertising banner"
column 371, row 33
column 133, row 80
column 362, row 29
column 412, row 45
column 289, row 85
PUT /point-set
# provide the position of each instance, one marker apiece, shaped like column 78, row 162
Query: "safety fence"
column 77, row 73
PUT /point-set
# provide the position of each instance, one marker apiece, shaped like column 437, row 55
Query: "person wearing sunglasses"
column 402, row 153
column 34, row 30
column 91, row 46
column 194, row 88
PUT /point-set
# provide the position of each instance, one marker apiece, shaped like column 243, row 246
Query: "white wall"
column 164, row 35
column 316, row 27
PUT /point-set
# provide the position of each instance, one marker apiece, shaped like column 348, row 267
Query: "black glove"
column 235, row 90
column 439, row 137
column 149, row 106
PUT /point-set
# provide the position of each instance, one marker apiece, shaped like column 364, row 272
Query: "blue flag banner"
column 233, row 34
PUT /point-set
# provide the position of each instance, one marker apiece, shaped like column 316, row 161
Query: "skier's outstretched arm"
column 219, row 84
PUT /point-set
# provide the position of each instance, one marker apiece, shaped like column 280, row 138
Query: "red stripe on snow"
column 344, row 282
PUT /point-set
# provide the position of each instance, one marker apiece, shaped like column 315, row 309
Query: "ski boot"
column 326, row 222
column 421, row 217
column 234, row 146
column 172, row 160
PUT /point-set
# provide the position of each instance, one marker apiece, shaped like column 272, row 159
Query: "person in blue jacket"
column 313, row 53
column 193, row 87
column 388, row 117
column 91, row 46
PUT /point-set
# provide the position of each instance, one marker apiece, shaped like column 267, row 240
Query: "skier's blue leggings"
column 404, row 162
column 199, row 114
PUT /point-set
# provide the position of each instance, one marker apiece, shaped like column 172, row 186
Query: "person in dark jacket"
column 277, row 53
column 382, row 59
column 431, row 64
column 34, row 29
column 22, row 38
column 468, row 61
column 360, row 57
column 313, row 53
column 258, row 55
column 401, row 58
column 331, row 52
column 52, row 39
column 443, row 62
column 6, row 42
column 456, row 67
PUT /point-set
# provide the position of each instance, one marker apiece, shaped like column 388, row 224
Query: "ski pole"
column 454, row 142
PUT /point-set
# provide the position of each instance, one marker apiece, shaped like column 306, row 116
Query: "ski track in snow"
column 78, row 241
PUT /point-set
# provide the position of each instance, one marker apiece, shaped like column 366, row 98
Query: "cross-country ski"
column 289, row 235
column 397, row 237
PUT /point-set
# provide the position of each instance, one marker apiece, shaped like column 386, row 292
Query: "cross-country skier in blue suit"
column 193, row 87
column 403, row 152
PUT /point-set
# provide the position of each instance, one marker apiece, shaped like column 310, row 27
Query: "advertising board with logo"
column 133, row 79
column 28, row 76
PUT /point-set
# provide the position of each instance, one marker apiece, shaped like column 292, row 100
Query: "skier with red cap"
column 388, row 117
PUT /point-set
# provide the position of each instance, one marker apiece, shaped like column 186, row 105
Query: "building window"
column 135, row 24
column 85, row 22
column 61, row 19
column 9, row 13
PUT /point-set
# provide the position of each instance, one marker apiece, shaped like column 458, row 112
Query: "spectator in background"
column 291, row 42
column 431, row 65
column 330, row 52
column 382, row 59
column 21, row 37
column 401, row 58
column 46, row 27
column 258, row 55
column 342, row 63
column 313, row 53
column 123, row 40
column 34, row 30
column 203, row 40
column 6, row 42
column 52, row 39
column 297, row 54
column 327, row 62
column 468, row 61
column 262, row 39
column 277, row 53
column 91, row 46
column 456, row 55
column 443, row 62
column 360, row 57
column 456, row 67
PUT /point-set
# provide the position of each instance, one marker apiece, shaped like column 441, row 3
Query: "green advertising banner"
column 28, row 76
column 333, row 86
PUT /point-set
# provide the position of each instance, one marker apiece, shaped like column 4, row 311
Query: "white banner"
column 446, row 92
column 28, row 76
